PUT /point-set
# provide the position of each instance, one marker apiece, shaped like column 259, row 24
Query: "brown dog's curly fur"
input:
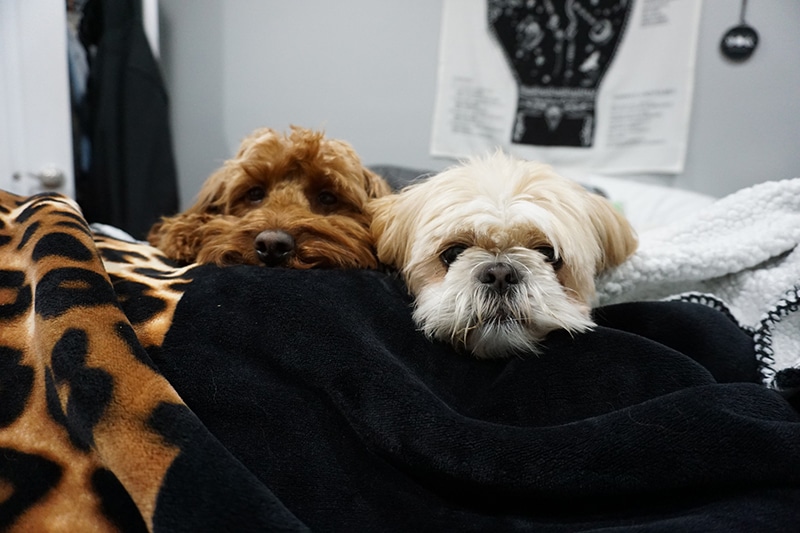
column 310, row 190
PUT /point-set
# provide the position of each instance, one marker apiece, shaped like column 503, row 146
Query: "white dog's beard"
column 467, row 313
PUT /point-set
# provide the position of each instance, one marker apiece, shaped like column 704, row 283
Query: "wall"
column 746, row 118
column 365, row 71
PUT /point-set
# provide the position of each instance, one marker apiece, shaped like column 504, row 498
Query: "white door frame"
column 35, row 115
column 35, row 111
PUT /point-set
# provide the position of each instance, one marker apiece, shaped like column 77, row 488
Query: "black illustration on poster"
column 558, row 52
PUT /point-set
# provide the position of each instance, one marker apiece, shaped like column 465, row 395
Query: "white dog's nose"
column 499, row 277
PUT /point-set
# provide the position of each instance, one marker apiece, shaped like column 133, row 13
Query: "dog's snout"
column 499, row 276
column 274, row 247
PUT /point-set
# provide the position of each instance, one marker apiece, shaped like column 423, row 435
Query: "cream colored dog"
column 498, row 252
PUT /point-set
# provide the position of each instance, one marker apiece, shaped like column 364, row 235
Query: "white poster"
column 601, row 85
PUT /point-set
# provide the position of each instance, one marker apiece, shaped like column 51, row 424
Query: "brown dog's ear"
column 212, row 197
column 179, row 237
column 376, row 186
column 615, row 233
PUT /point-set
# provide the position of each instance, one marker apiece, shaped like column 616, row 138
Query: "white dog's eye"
column 549, row 254
column 255, row 195
column 327, row 198
column 451, row 254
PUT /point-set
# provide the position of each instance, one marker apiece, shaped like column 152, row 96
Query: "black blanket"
column 350, row 420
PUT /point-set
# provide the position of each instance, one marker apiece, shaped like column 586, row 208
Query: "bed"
column 139, row 395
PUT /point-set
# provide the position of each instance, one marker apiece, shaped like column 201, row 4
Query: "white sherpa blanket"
column 739, row 254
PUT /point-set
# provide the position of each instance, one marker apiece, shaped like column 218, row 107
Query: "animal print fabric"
column 92, row 437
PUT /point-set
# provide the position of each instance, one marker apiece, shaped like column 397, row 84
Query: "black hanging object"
column 739, row 42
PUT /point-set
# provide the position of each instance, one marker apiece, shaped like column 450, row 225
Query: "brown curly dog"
column 296, row 200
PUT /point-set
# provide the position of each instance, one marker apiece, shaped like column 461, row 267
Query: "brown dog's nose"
column 274, row 247
column 499, row 277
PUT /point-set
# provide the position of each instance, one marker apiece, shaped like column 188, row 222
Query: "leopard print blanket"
column 89, row 429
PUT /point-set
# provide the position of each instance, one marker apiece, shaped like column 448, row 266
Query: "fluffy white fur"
column 498, row 252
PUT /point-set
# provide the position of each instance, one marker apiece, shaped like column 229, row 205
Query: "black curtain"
column 131, row 179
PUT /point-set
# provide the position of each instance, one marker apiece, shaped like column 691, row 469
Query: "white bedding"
column 647, row 205
column 740, row 252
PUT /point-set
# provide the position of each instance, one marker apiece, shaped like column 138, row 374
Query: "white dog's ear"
column 615, row 234
column 390, row 229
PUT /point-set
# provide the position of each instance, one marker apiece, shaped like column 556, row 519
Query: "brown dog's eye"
column 255, row 195
column 549, row 254
column 449, row 256
column 327, row 198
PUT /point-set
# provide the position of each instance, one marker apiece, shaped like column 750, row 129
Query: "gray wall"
column 365, row 71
